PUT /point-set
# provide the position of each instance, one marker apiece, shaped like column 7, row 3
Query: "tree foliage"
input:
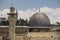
column 20, row 22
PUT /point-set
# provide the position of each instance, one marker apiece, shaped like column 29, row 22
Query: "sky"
column 26, row 4
column 26, row 8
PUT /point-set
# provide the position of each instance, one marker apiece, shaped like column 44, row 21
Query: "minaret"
column 12, row 21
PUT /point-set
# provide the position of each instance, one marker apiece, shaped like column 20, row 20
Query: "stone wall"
column 40, row 36
column 0, row 37
column 44, row 34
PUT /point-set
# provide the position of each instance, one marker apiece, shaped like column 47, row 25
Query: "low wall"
column 0, row 37
column 40, row 36
column 44, row 34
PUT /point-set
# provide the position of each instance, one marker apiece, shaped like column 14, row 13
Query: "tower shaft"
column 12, row 35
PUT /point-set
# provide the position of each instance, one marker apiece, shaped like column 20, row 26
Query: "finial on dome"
column 39, row 10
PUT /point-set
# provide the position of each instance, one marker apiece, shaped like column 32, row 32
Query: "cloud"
column 26, row 14
column 53, row 14
column 3, row 13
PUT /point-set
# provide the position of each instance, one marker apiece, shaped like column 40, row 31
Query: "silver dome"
column 39, row 19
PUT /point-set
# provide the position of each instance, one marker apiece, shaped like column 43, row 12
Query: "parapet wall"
column 38, row 36
column 44, row 34
column 41, row 36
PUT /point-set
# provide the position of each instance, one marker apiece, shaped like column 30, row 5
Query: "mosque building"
column 39, row 28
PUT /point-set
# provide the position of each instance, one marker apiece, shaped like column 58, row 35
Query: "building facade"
column 39, row 28
column 30, row 33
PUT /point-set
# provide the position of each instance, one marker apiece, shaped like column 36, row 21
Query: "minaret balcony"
column 12, row 18
column 12, row 14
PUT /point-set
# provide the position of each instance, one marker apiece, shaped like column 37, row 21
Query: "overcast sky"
column 26, row 8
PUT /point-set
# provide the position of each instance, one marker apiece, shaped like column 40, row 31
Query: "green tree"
column 26, row 22
column 17, row 22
